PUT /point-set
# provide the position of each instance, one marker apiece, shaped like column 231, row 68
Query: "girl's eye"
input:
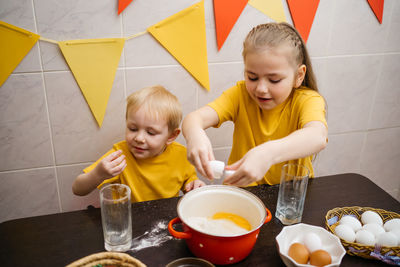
column 151, row 133
column 274, row 81
column 132, row 129
column 252, row 78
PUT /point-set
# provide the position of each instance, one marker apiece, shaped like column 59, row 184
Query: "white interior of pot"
column 208, row 200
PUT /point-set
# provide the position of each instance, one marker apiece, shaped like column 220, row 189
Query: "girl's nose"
column 262, row 86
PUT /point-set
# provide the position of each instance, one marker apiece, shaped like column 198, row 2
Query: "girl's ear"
column 173, row 135
column 301, row 73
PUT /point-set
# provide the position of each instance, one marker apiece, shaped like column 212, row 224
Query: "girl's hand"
column 111, row 165
column 193, row 185
column 249, row 169
column 200, row 153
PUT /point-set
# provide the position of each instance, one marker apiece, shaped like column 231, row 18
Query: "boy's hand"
column 111, row 166
column 194, row 184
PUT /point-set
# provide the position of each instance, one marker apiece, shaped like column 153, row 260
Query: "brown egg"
column 299, row 253
column 320, row 258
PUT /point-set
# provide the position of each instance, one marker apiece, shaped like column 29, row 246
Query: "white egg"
column 345, row 232
column 312, row 242
column 364, row 237
column 392, row 224
column 374, row 228
column 387, row 239
column 217, row 168
column 370, row 216
column 396, row 232
column 351, row 221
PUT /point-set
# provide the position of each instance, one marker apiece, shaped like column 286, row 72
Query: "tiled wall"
column 48, row 134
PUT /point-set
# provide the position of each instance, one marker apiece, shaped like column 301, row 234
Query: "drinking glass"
column 116, row 217
column 292, row 193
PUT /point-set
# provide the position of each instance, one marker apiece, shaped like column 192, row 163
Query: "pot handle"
column 269, row 216
column 176, row 234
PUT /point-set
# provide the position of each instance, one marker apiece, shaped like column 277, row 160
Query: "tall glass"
column 292, row 193
column 116, row 217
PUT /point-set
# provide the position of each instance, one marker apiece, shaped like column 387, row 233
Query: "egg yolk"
column 238, row 220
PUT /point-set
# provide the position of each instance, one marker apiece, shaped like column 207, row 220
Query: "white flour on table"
column 153, row 238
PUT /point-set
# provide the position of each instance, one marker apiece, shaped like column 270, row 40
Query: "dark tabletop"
column 59, row 239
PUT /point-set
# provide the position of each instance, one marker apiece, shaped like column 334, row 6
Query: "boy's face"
column 146, row 136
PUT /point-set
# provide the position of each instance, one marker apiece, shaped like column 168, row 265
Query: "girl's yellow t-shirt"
column 254, row 126
column 158, row 177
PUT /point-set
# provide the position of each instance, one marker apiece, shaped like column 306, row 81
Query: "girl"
column 278, row 113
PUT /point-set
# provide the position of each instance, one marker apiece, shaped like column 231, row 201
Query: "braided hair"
column 271, row 35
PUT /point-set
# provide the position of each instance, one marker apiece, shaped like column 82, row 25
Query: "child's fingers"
column 119, row 168
column 114, row 155
column 118, row 160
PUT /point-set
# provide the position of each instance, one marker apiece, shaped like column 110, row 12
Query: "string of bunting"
column 94, row 62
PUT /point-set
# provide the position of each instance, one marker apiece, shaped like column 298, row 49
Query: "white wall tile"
column 349, row 89
column 69, row 202
column 342, row 154
column 392, row 43
column 381, row 156
column 70, row 20
column 356, row 30
column 76, row 135
column 20, row 13
column 174, row 78
column 24, row 128
column 28, row 193
column 386, row 107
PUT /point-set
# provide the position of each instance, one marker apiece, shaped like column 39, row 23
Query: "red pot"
column 205, row 202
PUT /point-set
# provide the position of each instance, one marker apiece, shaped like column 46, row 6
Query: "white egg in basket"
column 296, row 233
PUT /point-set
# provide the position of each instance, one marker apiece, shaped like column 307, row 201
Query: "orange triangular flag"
column 184, row 36
column 303, row 13
column 122, row 4
column 15, row 43
column 377, row 8
column 94, row 63
column 226, row 13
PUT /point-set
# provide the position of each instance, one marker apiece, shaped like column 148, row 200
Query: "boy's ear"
column 173, row 135
column 301, row 73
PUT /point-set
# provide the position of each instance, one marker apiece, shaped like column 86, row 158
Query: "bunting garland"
column 303, row 13
column 15, row 43
column 377, row 8
column 122, row 4
column 226, row 13
column 94, row 62
column 271, row 8
column 184, row 36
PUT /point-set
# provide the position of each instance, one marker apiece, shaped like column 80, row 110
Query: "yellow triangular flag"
column 184, row 36
column 94, row 63
column 15, row 43
column 271, row 8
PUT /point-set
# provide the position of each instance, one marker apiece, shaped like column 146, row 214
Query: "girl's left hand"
column 249, row 169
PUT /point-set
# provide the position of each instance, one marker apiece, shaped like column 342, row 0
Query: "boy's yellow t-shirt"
column 158, row 177
column 254, row 126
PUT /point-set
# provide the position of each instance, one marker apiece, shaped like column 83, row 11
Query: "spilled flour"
column 153, row 238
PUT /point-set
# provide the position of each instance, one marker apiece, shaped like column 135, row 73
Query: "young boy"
column 148, row 161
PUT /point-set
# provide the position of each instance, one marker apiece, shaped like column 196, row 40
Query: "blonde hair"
column 158, row 103
column 272, row 35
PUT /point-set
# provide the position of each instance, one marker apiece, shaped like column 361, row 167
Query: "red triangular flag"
column 122, row 4
column 226, row 13
column 303, row 13
column 377, row 7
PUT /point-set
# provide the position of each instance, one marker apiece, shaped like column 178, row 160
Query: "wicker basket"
column 103, row 259
column 389, row 255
